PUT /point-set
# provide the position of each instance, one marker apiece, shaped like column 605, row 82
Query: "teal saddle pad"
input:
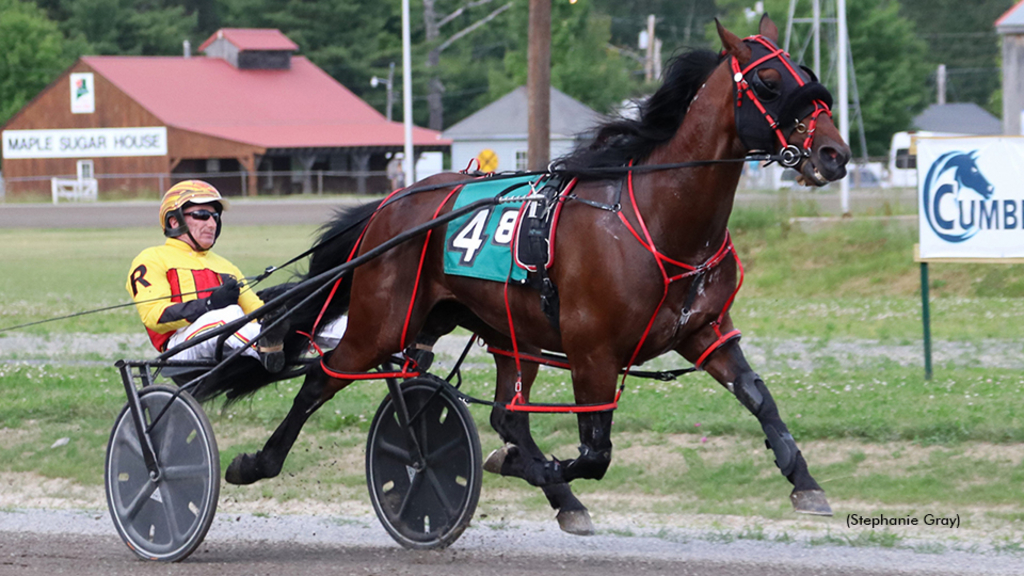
column 479, row 244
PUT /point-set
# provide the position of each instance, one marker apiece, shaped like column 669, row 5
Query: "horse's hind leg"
column 267, row 463
column 730, row 368
column 521, row 457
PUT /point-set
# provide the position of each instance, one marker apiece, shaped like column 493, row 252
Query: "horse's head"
column 968, row 175
column 782, row 108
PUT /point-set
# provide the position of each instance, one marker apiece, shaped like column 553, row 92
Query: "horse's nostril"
column 833, row 156
column 829, row 155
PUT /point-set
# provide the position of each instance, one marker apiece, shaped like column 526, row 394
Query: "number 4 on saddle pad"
column 479, row 244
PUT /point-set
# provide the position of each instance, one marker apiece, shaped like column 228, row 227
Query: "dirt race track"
column 84, row 544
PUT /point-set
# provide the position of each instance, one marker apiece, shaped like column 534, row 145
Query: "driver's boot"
column 271, row 344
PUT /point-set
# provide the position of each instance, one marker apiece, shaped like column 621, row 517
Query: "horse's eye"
column 766, row 88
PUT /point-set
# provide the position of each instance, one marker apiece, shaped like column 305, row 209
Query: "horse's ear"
column 732, row 44
column 768, row 29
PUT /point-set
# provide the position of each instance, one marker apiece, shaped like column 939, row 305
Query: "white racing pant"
column 209, row 321
column 329, row 336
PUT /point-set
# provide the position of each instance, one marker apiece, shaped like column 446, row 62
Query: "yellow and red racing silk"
column 163, row 276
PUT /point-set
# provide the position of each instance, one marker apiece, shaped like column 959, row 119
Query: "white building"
column 496, row 135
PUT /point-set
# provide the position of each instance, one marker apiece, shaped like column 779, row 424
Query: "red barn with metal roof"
column 248, row 109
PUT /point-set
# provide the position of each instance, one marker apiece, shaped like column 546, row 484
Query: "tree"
column 583, row 64
column 965, row 40
column 680, row 23
column 32, row 54
column 433, row 22
column 132, row 27
column 352, row 40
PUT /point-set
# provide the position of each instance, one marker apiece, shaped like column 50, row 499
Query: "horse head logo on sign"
column 953, row 175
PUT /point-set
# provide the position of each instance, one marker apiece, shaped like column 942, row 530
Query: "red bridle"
column 791, row 154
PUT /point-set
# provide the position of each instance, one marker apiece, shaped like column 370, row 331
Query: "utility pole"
column 816, row 9
column 538, row 86
column 649, row 61
column 844, row 96
column 388, row 83
column 940, row 81
column 408, row 162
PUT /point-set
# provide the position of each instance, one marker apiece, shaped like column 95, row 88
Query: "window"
column 213, row 165
column 520, row 160
column 905, row 160
column 84, row 169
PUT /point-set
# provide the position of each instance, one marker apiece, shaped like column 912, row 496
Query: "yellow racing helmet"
column 182, row 194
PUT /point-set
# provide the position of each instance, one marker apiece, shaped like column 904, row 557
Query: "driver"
column 182, row 289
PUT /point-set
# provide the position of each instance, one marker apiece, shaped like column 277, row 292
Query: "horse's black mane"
column 623, row 139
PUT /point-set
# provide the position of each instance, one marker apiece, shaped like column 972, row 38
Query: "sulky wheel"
column 165, row 519
column 424, row 503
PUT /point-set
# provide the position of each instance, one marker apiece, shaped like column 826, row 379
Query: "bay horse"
column 652, row 272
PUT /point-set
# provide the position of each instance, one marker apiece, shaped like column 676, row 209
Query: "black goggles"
column 204, row 215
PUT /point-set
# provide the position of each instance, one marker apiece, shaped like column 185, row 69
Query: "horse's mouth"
column 809, row 175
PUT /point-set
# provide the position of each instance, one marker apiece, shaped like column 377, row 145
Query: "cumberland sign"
column 971, row 197
column 84, row 143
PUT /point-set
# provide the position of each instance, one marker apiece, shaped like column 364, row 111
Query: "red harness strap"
column 647, row 242
column 519, row 403
column 419, row 269
column 409, row 370
column 518, row 400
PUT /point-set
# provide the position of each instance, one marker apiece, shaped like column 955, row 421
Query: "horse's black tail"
column 334, row 245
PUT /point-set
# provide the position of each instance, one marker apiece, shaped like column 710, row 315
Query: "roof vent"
column 251, row 48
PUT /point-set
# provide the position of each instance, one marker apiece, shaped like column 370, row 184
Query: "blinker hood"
column 790, row 104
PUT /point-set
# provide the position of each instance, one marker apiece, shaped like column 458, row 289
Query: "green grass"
column 48, row 273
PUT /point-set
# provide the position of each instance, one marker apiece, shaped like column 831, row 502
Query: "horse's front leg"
column 522, row 458
column 730, row 368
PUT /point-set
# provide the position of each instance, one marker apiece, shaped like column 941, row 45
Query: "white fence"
column 283, row 182
column 76, row 190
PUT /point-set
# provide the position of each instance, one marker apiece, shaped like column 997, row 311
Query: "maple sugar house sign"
column 85, row 143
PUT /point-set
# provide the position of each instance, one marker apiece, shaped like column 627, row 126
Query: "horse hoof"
column 575, row 522
column 242, row 470
column 495, row 460
column 810, row 502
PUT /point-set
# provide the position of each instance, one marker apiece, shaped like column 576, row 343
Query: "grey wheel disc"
column 428, row 505
column 165, row 519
